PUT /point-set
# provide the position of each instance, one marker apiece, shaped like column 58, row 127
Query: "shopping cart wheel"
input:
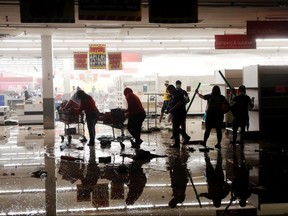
column 122, row 145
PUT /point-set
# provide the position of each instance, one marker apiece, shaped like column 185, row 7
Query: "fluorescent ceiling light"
column 57, row 41
column 137, row 41
column 153, row 48
column 131, row 48
column 8, row 49
column 177, row 48
column 267, row 48
column 78, row 41
column 111, row 49
column 30, row 49
column 195, row 40
column 200, row 48
column 79, row 49
column 107, row 41
column 170, row 40
column 17, row 41
column 272, row 40
column 61, row 49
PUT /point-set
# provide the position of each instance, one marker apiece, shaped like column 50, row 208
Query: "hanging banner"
column 97, row 56
column 80, row 61
column 267, row 29
column 115, row 61
column 234, row 42
column 129, row 10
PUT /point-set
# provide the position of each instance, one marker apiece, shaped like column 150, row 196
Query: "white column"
column 47, row 77
column 67, row 89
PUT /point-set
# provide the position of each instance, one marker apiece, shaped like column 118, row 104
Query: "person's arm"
column 200, row 95
column 251, row 102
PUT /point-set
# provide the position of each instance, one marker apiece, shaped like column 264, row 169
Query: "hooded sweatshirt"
column 134, row 104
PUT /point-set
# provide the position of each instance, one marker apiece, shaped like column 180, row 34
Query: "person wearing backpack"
column 239, row 108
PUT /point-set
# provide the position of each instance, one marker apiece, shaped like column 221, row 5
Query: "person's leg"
column 242, row 136
column 131, row 126
column 91, row 130
column 138, row 126
column 219, row 137
column 176, row 131
column 185, row 136
column 206, row 134
column 235, row 130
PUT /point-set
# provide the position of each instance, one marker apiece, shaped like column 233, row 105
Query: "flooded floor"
column 42, row 174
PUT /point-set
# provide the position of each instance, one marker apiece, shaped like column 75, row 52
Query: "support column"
column 47, row 79
column 50, row 168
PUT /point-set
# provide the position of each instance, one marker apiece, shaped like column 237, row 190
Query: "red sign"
column 80, row 60
column 234, row 42
column 267, row 29
column 97, row 56
column 114, row 61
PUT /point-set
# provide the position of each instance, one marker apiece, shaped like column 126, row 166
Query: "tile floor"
column 39, row 174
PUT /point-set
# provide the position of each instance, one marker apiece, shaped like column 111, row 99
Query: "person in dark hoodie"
column 136, row 115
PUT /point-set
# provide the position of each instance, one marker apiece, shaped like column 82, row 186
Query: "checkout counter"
column 30, row 112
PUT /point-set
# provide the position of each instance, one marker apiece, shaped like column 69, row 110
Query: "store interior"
column 37, row 181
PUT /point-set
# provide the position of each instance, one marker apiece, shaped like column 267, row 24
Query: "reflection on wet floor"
column 42, row 174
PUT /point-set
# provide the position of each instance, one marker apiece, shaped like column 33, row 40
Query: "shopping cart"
column 69, row 119
column 115, row 119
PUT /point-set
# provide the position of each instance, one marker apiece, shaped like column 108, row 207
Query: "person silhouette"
column 214, row 113
column 137, row 181
column 239, row 108
column 218, row 188
column 179, row 178
column 93, row 173
column 240, row 186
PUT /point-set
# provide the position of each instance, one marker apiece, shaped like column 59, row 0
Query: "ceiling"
column 215, row 17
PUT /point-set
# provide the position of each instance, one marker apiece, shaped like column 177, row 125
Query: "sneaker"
column 218, row 146
column 186, row 139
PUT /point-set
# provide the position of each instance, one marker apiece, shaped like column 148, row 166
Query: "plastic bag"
column 168, row 119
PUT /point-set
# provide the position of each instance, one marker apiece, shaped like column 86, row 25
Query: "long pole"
column 227, row 83
column 192, row 99
column 188, row 173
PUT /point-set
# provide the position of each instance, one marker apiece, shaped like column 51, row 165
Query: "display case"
column 4, row 114
column 30, row 113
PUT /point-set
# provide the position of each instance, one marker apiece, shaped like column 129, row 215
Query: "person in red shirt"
column 88, row 105
column 136, row 115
